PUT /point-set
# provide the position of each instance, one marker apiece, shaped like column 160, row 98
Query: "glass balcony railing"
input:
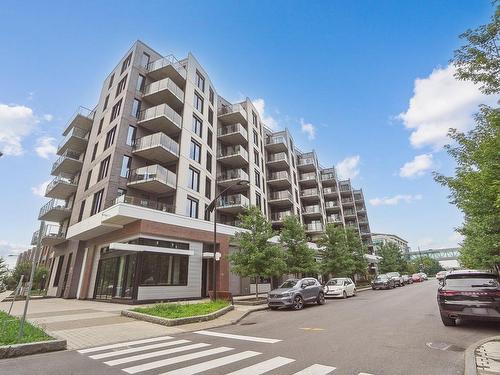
column 63, row 178
column 153, row 172
column 53, row 204
column 233, row 174
column 349, row 212
column 166, row 61
column 279, row 195
column 164, row 84
column 280, row 216
column 331, row 204
column 232, row 151
column 233, row 200
column 347, row 200
column 305, row 161
column 311, row 210
column 278, row 157
column 314, row 227
column 276, row 140
column 231, row 129
column 68, row 154
column 232, row 108
column 161, row 110
column 327, row 176
column 333, row 219
column 147, row 203
column 309, row 192
column 74, row 132
column 329, row 191
column 307, row 176
column 281, row 175
column 157, row 140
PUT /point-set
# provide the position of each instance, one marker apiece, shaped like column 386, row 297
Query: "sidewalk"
column 483, row 357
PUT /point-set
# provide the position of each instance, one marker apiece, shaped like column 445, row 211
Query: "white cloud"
column 8, row 248
column 16, row 122
column 392, row 201
column 348, row 168
column 267, row 119
column 417, row 167
column 308, row 128
column 48, row 117
column 45, row 147
column 441, row 102
column 40, row 189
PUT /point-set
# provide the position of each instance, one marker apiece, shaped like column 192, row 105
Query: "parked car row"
column 393, row 279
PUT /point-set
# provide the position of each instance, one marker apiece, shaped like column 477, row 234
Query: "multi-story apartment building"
column 136, row 174
column 380, row 239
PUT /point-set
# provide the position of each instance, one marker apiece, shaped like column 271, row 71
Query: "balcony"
column 358, row 197
column 55, row 210
column 347, row 202
column 360, row 209
column 231, row 177
column 69, row 163
column 279, row 217
column 276, row 144
column 309, row 195
column 53, row 235
column 328, row 179
column 76, row 140
column 280, row 198
column 148, row 203
column 34, row 238
column 306, row 164
column 83, row 118
column 329, row 192
column 161, row 118
column 235, row 156
column 279, row 179
column 153, row 179
column 349, row 213
column 351, row 224
column 311, row 210
column 61, row 187
column 334, row 219
column 167, row 67
column 232, row 114
column 157, row 147
column 164, row 91
column 308, row 179
column 234, row 134
column 278, row 161
column 345, row 187
column 233, row 204
column 314, row 227
column 332, row 206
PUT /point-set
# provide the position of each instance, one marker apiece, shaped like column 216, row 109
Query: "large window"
column 126, row 63
column 110, row 138
column 210, row 116
column 198, row 102
column 200, row 81
column 82, row 210
column 132, row 131
column 208, row 188
column 89, row 176
column 125, row 169
column 192, row 207
column 195, row 151
column 103, row 169
column 258, row 200
column 209, row 162
column 145, row 60
column 257, row 178
column 211, row 95
column 116, row 110
column 164, row 269
column 97, row 202
column 194, row 179
column 141, row 80
column 121, row 86
column 136, row 108
column 197, row 126
column 106, row 101
column 94, row 151
column 209, row 138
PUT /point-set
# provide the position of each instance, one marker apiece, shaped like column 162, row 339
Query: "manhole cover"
column 444, row 346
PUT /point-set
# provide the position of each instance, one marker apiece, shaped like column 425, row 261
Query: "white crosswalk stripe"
column 214, row 363
column 122, row 344
column 164, row 356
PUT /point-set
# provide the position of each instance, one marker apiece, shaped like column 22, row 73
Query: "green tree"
column 3, row 270
column 358, row 250
column 299, row 258
column 256, row 257
column 23, row 268
column 392, row 259
column 479, row 60
column 475, row 189
column 430, row 266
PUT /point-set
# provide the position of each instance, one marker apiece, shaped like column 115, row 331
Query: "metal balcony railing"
column 62, row 178
column 74, row 132
column 157, row 140
column 231, row 129
column 68, row 154
column 153, row 172
column 53, row 204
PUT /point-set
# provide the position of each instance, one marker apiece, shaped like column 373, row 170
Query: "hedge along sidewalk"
column 173, row 314
column 34, row 339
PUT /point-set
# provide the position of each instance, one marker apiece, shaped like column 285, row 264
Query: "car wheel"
column 354, row 292
column 373, row 288
column 298, row 303
column 448, row 321
column 344, row 295
column 321, row 299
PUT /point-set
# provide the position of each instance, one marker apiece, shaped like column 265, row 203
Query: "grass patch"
column 178, row 310
column 9, row 331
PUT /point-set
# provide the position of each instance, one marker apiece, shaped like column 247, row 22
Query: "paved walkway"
column 90, row 323
column 488, row 358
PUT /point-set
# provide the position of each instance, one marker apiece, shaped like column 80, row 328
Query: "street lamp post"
column 213, row 207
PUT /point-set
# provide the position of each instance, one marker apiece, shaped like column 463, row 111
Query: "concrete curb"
column 17, row 350
column 470, row 355
column 178, row 321
column 248, row 313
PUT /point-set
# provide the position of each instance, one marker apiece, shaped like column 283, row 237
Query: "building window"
column 116, row 110
column 254, row 118
column 132, row 131
column 136, row 108
column 121, row 86
column 195, row 151
column 141, row 80
column 257, row 178
column 121, row 192
column 106, row 103
column 101, row 123
column 198, row 102
column 192, row 207
column 211, row 95
column 255, row 138
column 94, row 151
column 258, row 200
column 97, row 202
column 145, row 60
column 58, row 271
column 256, row 157
column 210, row 116
column 263, row 185
column 207, row 213
column 110, row 138
column 103, row 169
column 111, row 80
column 200, row 81
column 125, row 169
column 126, row 63
column 209, row 162
column 197, row 126
column 164, row 269
column 208, row 188
column 89, row 176
column 194, row 179
column 82, row 209
column 209, row 138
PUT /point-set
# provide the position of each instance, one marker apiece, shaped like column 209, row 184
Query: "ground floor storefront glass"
column 115, row 276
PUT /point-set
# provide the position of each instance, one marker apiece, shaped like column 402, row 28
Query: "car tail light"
column 448, row 293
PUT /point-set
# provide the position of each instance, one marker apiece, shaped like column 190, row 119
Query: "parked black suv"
column 469, row 294
column 383, row 282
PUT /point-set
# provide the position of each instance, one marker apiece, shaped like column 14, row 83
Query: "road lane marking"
column 263, row 367
column 115, row 353
column 364, row 373
column 140, row 357
column 316, row 370
column 173, row 360
column 122, row 344
column 214, row 363
column 238, row 337
column 312, row 329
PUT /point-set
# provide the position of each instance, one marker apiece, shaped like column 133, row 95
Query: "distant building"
column 447, row 257
column 380, row 239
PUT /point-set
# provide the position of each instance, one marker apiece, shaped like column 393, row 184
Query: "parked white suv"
column 340, row 287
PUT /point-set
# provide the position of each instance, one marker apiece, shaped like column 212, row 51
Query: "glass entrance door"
column 115, row 277
column 106, row 280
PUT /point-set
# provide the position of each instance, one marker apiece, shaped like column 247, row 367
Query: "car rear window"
column 473, row 281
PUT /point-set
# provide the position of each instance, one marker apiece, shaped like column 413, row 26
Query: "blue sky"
column 341, row 75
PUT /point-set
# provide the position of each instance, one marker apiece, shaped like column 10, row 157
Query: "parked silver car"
column 295, row 293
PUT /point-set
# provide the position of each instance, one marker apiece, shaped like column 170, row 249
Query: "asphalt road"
column 376, row 332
